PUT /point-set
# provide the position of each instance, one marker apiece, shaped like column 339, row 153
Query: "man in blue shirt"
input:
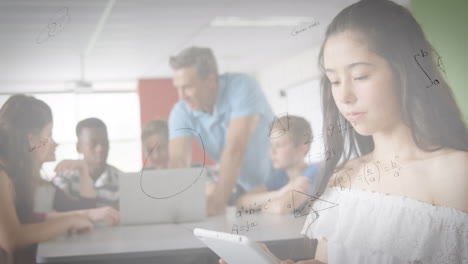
column 231, row 115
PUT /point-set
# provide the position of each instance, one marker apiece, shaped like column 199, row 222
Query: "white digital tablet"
column 234, row 249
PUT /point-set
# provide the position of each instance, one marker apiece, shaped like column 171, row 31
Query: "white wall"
column 298, row 76
column 286, row 74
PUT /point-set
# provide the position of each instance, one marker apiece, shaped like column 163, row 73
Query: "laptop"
column 163, row 196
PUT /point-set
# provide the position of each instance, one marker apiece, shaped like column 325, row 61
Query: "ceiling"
column 138, row 37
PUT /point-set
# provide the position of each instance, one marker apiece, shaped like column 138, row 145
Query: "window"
column 119, row 111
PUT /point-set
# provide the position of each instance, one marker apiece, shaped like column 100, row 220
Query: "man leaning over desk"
column 232, row 116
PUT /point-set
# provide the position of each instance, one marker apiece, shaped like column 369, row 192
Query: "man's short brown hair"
column 201, row 58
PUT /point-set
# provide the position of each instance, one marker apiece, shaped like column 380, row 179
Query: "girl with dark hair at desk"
column 404, row 197
column 25, row 124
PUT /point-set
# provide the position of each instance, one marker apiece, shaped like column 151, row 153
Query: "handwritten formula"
column 303, row 27
column 423, row 54
column 370, row 174
column 243, row 228
column 41, row 144
column 56, row 24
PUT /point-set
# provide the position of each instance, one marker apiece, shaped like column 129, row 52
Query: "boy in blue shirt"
column 290, row 139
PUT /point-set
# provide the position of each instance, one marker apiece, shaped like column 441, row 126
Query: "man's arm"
column 239, row 132
column 180, row 125
column 180, row 152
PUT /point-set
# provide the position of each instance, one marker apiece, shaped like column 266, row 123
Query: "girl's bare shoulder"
column 448, row 176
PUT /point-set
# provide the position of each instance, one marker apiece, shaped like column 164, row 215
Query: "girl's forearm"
column 34, row 233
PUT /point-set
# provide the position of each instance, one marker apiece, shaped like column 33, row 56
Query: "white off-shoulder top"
column 369, row 227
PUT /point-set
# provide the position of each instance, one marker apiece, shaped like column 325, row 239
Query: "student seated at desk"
column 90, row 182
column 155, row 141
column 290, row 140
column 46, row 193
column 25, row 123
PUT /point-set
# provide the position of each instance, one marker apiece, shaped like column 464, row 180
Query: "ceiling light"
column 274, row 21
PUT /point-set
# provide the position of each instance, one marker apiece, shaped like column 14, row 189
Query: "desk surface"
column 107, row 243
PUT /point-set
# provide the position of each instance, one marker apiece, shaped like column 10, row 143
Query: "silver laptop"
column 163, row 196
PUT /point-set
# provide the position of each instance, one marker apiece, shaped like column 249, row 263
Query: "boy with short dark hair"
column 90, row 182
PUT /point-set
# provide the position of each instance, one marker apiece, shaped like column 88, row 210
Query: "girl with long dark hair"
column 399, row 173
column 25, row 141
column 394, row 185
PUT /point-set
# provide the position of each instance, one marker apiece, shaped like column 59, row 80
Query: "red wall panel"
column 157, row 97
